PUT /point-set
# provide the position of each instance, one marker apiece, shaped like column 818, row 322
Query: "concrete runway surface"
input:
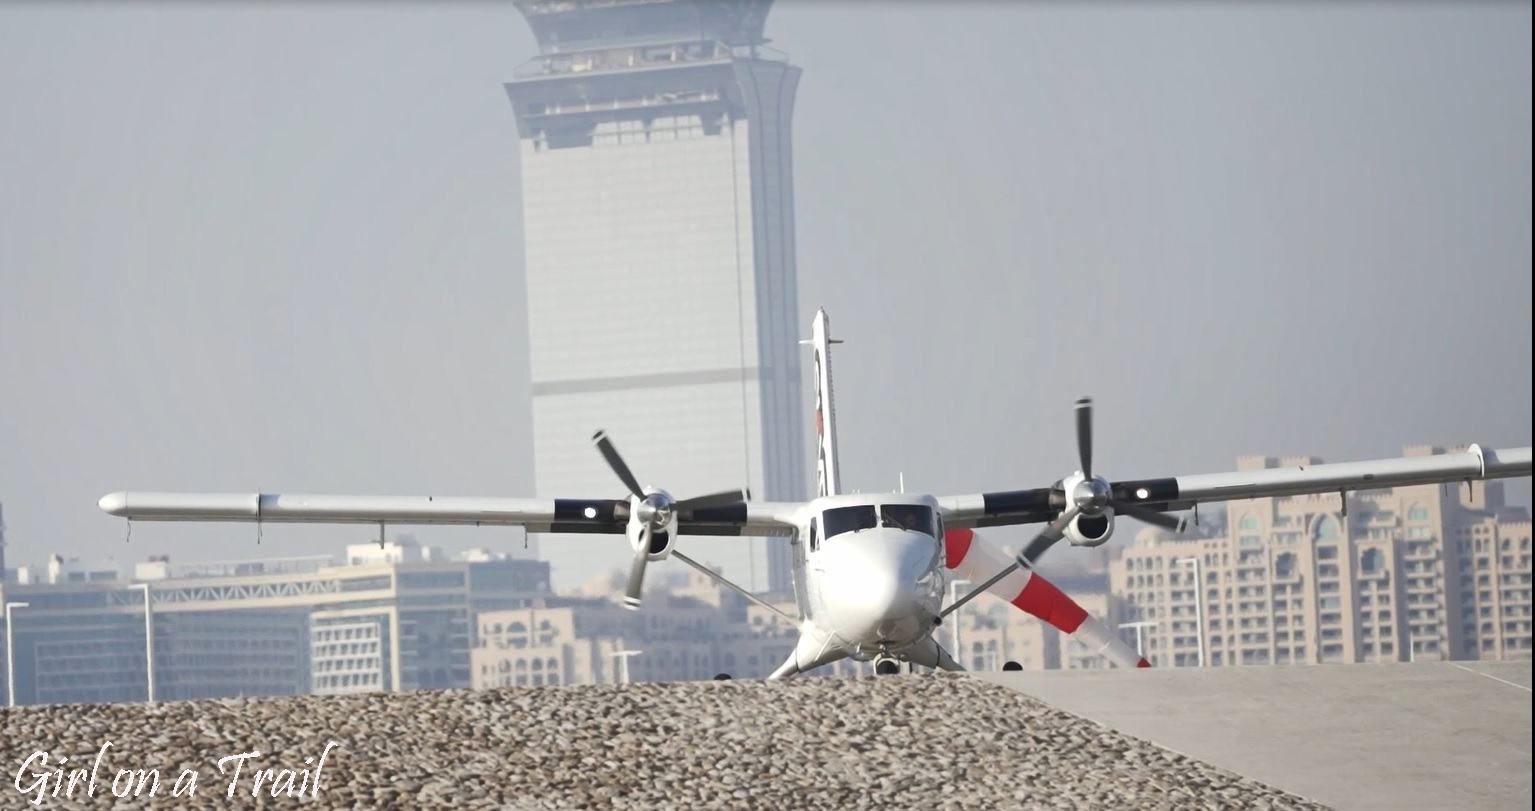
column 1402, row 736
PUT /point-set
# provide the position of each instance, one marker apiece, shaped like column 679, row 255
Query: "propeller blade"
column 636, row 587
column 722, row 499
column 616, row 462
column 1040, row 545
column 1136, row 511
column 1085, row 435
column 1053, row 531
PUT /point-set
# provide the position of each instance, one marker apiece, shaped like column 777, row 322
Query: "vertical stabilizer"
column 828, row 482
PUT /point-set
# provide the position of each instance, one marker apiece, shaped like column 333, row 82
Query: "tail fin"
column 828, row 482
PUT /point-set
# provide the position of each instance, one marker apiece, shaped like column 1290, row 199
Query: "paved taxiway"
column 1402, row 736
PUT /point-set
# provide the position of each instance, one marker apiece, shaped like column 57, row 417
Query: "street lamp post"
column 10, row 653
column 623, row 663
column 149, row 641
column 1199, row 604
column 1140, row 648
column 954, row 585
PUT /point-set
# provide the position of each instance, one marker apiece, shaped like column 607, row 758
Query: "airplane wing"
column 535, row 515
column 1182, row 492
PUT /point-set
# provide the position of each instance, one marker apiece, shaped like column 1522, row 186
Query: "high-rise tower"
column 659, row 231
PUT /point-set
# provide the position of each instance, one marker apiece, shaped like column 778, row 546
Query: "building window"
column 1372, row 561
column 1284, row 565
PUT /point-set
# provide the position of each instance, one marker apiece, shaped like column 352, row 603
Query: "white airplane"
column 870, row 570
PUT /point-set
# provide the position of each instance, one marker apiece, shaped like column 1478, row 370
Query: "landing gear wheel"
column 1012, row 666
column 884, row 666
column 722, row 677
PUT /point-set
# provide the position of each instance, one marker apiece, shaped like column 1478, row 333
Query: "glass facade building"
column 658, row 206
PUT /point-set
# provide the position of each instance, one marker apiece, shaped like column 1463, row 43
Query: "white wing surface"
column 1182, row 492
column 535, row 515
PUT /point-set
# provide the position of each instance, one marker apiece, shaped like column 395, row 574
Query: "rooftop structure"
column 562, row 26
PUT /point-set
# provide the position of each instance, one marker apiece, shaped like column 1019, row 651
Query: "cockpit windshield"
column 838, row 520
column 912, row 517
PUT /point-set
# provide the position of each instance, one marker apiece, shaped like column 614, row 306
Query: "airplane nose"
column 873, row 590
column 878, row 594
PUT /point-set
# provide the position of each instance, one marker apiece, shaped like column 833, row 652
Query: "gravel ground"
column 928, row 741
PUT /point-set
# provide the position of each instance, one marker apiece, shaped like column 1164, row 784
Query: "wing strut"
column 737, row 589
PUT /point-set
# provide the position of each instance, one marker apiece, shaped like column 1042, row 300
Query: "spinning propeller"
column 1085, row 494
column 1090, row 495
column 653, row 512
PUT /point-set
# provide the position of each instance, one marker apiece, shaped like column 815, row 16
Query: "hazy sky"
column 277, row 247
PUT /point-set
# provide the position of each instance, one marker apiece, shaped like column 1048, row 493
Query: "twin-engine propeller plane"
column 870, row 570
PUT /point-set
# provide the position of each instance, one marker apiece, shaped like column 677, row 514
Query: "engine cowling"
column 1091, row 530
column 657, row 511
column 661, row 544
column 1096, row 523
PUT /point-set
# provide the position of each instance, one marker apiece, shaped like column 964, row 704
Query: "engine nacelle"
column 661, row 544
column 657, row 507
column 1091, row 530
column 1087, row 530
column 661, row 541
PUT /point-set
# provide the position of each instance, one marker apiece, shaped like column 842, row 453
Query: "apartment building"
column 1404, row 574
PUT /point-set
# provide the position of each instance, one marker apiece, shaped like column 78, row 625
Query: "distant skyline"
column 277, row 247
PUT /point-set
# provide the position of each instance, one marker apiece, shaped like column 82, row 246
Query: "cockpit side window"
column 838, row 520
column 815, row 540
column 912, row 517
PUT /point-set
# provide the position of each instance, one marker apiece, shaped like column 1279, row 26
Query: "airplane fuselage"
column 872, row 569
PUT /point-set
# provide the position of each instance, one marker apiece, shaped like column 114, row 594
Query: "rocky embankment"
column 894, row 742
